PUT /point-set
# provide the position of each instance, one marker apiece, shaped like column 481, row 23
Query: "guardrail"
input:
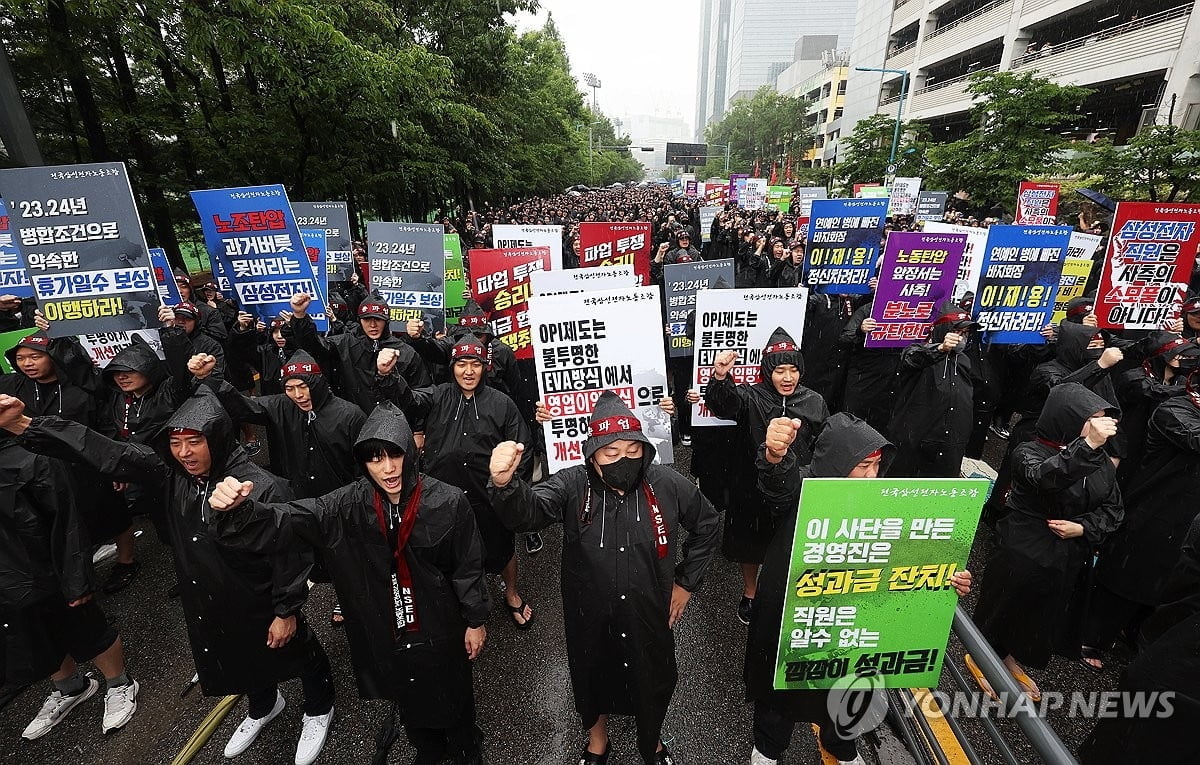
column 1106, row 34
column 969, row 17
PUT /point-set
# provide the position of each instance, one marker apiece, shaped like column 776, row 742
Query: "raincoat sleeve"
column 177, row 350
column 1180, row 433
column 467, row 577
column 515, row 429
column 304, row 336
column 1087, row 375
column 119, row 460
column 852, row 333
column 434, row 350
column 921, row 356
column 522, row 507
column 703, row 524
column 415, row 373
column 778, row 484
column 1060, row 470
column 1105, row 518
column 414, row 402
column 725, row 398
column 70, row 548
column 241, row 408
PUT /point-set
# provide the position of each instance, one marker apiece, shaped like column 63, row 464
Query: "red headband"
column 620, row 424
column 781, row 347
column 953, row 318
column 1170, row 346
column 877, row 453
column 1191, row 306
column 1084, row 308
column 464, row 350
column 185, row 432
column 294, row 368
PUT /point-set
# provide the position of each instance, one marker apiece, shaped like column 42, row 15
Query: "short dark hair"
column 376, row 448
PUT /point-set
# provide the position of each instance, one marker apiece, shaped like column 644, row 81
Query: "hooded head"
column 844, row 443
column 387, row 453
column 1078, row 308
column 951, row 319
column 468, row 363
column 186, row 316
column 780, row 354
column 200, row 436
column 1191, row 313
column 617, row 451
column 1067, row 408
column 32, row 357
column 136, row 359
column 184, row 283
column 375, row 319
column 1072, row 349
column 475, row 320
column 304, row 383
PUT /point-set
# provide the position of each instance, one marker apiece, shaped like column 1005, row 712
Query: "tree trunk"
column 73, row 67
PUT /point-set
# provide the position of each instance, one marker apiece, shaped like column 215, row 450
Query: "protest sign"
column 843, row 244
column 408, row 269
column 8, row 341
column 609, row 244
column 690, row 189
column 500, row 284
column 1148, row 264
column 737, row 182
column 334, row 219
column 971, row 264
column 716, row 193
column 779, row 198
column 1071, row 285
column 314, row 246
column 681, row 281
column 509, row 236
column 1037, row 204
column 13, row 279
column 916, row 277
column 1022, row 266
column 868, row 589
column 805, row 197
column 252, row 234
column 168, row 290
column 740, row 321
column 931, row 205
column 582, row 280
column 870, row 191
column 902, row 196
column 81, row 242
column 101, row 347
column 456, row 278
column 582, row 346
column 707, row 216
column 676, row 186
column 755, row 194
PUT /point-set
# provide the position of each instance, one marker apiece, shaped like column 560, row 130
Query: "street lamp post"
column 724, row 146
column 899, row 107
column 593, row 82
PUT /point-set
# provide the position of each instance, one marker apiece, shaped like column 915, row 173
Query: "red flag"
column 757, row 169
column 774, row 174
column 787, row 170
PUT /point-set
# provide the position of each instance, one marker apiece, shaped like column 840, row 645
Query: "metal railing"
column 901, row 48
column 969, row 17
column 939, row 84
column 1106, row 34
column 900, row 4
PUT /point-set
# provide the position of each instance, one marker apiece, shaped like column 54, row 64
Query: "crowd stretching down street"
column 403, row 467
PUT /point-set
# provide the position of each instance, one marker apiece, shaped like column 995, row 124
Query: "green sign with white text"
column 456, row 281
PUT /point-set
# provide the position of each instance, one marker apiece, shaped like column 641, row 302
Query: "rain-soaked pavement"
column 521, row 684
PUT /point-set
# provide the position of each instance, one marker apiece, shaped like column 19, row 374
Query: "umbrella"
column 1098, row 198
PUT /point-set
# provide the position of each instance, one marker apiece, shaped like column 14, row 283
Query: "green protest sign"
column 780, row 198
column 456, row 281
column 869, row 583
column 8, row 341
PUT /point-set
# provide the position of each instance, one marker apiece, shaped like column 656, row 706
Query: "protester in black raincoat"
column 825, row 358
column 350, row 357
column 1064, row 503
column 750, row 520
column 211, row 321
column 932, row 418
column 404, row 555
column 53, row 376
column 1191, row 318
column 870, row 372
column 787, row 266
column 464, row 420
column 1161, row 502
column 265, row 352
column 622, row 588
column 501, row 362
column 187, row 316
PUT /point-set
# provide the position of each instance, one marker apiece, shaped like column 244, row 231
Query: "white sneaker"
column 758, row 758
column 312, row 737
column 55, row 709
column 119, row 705
column 248, row 731
column 858, row 760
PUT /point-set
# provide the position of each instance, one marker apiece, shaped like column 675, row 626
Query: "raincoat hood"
column 1068, row 406
column 138, row 357
column 1077, row 308
column 950, row 319
column 475, row 320
column 612, row 421
column 304, row 367
column 388, row 424
column 1072, row 348
column 845, row 442
column 781, row 349
column 203, row 413
column 39, row 341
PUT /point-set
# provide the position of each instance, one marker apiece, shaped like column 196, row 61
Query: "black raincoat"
column 230, row 593
column 870, row 374
column 825, row 358
column 71, row 397
column 501, row 361
column 1027, row 604
column 260, row 351
column 426, row 670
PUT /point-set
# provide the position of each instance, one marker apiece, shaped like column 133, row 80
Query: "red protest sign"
column 1148, row 264
column 1037, row 204
column 500, row 284
column 616, row 244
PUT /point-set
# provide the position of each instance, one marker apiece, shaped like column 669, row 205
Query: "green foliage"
column 765, row 127
column 1017, row 120
column 867, row 151
column 1159, row 164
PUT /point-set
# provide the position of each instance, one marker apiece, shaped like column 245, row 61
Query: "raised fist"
column 505, row 459
column 950, row 342
column 1097, row 431
column 299, row 303
column 385, row 362
column 414, row 327
column 1110, row 357
column 868, row 325
column 202, row 365
column 723, row 363
column 230, row 493
column 781, row 432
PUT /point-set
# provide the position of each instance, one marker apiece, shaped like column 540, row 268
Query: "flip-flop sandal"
column 336, row 618
column 1027, row 685
column 513, row 611
column 980, row 680
column 1087, row 652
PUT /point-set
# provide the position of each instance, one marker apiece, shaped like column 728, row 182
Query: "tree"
column 764, row 127
column 866, row 151
column 1017, row 120
column 1159, row 164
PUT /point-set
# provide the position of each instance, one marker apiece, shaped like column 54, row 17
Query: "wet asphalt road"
column 521, row 683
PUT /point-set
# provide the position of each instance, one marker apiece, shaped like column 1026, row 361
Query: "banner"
column 707, row 216
column 408, row 270
column 869, row 588
column 806, row 195
column 80, row 238
column 582, row 344
column 103, row 346
column 755, row 194
column 508, row 236
column 314, row 246
column 737, row 182
column 1037, row 204
column 1072, row 285
column 582, row 280
column 500, row 284
column 780, row 198
column 681, row 281
column 164, row 277
column 455, row 288
column 1148, row 264
column 971, row 264
column 931, row 205
column 843, row 244
column 916, row 278
column 252, row 233
column 1022, row 266
column 13, row 279
column 716, row 193
column 608, row 244
column 902, row 197
column 334, row 219
column 871, row 191
column 741, row 321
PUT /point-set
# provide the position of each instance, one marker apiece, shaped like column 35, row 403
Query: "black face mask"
column 1092, row 354
column 624, row 474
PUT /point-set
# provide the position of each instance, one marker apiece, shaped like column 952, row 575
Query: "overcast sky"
column 645, row 52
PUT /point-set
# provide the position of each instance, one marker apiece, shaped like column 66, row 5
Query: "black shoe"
column 534, row 543
column 591, row 758
column 121, row 576
column 744, row 610
column 252, row 448
column 664, row 757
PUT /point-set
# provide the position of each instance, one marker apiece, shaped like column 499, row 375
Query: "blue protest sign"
column 168, row 290
column 843, row 244
column 13, row 279
column 314, row 246
column 1022, row 267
